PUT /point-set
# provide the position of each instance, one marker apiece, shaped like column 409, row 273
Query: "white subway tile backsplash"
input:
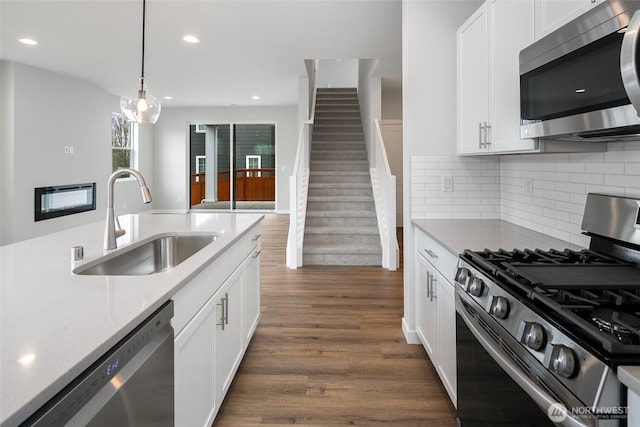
column 570, row 167
column 587, row 178
column 496, row 187
column 605, row 167
column 476, row 187
column 569, row 187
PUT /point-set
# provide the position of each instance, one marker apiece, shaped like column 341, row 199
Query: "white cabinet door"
column 447, row 336
column 473, row 82
column 511, row 31
column 251, row 294
column 194, row 370
column 426, row 307
column 489, row 45
column 552, row 14
column 229, row 332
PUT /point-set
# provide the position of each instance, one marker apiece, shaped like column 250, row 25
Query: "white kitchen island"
column 55, row 324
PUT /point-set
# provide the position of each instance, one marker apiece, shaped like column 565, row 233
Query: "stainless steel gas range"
column 541, row 333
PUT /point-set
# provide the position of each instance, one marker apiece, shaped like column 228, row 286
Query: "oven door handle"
column 628, row 63
column 541, row 397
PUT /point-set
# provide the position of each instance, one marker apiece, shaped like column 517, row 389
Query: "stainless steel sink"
column 150, row 256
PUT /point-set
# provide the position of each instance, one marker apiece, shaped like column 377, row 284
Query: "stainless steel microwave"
column 581, row 81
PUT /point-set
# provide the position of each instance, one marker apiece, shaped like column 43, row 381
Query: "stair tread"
column 337, row 229
column 342, row 249
column 340, row 198
column 340, row 214
column 344, row 173
column 338, row 248
column 339, row 185
column 341, row 161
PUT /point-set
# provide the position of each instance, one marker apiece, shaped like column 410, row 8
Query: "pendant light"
column 140, row 106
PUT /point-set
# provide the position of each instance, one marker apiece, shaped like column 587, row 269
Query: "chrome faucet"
column 113, row 229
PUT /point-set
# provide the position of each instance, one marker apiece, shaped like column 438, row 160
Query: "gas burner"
column 625, row 327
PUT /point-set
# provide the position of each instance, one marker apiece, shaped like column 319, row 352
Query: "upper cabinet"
column 489, row 45
column 552, row 14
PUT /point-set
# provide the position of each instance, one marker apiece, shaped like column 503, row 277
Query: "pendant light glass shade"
column 140, row 106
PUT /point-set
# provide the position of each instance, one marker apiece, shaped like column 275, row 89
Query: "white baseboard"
column 410, row 335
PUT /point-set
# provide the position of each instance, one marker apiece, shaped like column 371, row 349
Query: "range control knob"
column 461, row 275
column 563, row 361
column 475, row 287
column 500, row 307
column 533, row 336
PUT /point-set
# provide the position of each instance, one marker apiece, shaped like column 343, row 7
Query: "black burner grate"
column 573, row 284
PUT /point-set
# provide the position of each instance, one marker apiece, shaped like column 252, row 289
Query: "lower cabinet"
column 195, row 396
column 427, row 306
column 210, row 343
column 229, row 334
column 435, row 309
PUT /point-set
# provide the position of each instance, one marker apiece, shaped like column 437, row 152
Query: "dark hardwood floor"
column 329, row 350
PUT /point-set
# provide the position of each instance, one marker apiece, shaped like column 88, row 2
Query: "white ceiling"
column 247, row 47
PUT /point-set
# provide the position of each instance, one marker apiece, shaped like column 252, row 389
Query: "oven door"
column 499, row 387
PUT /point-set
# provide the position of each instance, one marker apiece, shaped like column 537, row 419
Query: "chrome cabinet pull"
column 429, row 285
column 221, row 304
column 431, row 253
column 224, row 305
column 488, row 137
column 480, row 132
column 256, row 237
column 256, row 254
column 433, row 295
column 226, row 308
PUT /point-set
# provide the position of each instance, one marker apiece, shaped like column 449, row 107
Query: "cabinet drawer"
column 252, row 238
column 437, row 255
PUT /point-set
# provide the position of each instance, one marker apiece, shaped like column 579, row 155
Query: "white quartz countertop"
column 630, row 376
column 459, row 234
column 63, row 322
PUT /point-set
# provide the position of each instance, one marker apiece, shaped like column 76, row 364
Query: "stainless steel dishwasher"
column 131, row 385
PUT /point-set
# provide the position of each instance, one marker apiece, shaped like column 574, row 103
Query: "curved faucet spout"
column 112, row 232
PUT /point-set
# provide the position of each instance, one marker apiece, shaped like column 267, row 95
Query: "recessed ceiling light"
column 27, row 41
column 191, row 39
column 255, row 97
column 168, row 98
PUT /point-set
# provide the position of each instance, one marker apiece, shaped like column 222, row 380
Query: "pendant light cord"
column 143, row 22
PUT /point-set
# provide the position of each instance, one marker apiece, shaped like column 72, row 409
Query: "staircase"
column 341, row 227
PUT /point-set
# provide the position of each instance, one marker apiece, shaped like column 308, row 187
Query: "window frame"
column 132, row 148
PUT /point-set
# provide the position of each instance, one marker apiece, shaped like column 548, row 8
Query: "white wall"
column 370, row 98
column 338, row 73
column 428, row 103
column 171, row 141
column 392, row 104
column 42, row 112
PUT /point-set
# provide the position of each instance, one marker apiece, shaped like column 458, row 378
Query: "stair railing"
column 384, row 193
column 299, row 187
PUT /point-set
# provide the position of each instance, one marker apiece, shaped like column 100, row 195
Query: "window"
column 201, row 165
column 253, row 162
column 123, row 142
column 201, row 128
